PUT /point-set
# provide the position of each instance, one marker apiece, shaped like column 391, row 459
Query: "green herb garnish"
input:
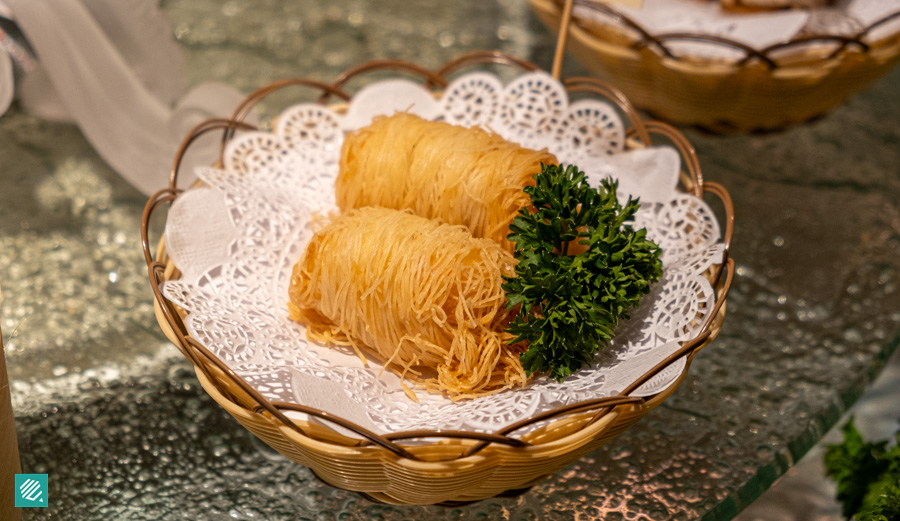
column 867, row 475
column 572, row 303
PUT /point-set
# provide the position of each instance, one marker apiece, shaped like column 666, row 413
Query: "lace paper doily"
column 236, row 241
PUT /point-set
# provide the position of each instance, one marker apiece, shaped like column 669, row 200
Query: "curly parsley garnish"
column 571, row 302
column 867, row 476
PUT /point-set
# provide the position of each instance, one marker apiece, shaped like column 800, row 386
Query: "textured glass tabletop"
column 111, row 411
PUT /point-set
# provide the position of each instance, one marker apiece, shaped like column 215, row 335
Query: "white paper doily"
column 236, row 241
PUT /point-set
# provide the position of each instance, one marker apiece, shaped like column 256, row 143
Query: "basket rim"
column 240, row 393
column 657, row 43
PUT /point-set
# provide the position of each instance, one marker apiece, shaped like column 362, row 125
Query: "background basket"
column 774, row 87
column 433, row 467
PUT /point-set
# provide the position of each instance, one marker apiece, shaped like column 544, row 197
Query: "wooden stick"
column 561, row 40
column 9, row 449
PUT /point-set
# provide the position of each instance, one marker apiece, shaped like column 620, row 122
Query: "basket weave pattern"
column 780, row 85
column 444, row 467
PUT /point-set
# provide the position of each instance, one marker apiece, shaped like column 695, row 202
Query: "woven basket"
column 447, row 467
column 781, row 85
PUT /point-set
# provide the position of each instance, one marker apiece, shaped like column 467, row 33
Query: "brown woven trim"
column 694, row 182
column 865, row 32
column 247, row 104
column 843, row 43
column 720, row 192
column 323, row 415
column 482, row 57
column 228, row 125
column 203, row 359
column 468, row 435
column 658, row 42
column 432, row 78
column 593, row 85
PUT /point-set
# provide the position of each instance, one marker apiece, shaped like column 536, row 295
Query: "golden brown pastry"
column 424, row 297
column 441, row 171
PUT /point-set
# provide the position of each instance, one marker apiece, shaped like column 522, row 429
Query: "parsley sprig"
column 867, row 476
column 571, row 301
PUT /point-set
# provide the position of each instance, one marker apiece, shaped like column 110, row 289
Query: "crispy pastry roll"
column 440, row 171
column 423, row 297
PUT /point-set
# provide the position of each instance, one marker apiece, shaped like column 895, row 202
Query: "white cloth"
column 112, row 67
column 7, row 83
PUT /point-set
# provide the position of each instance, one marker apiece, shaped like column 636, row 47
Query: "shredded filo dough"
column 423, row 297
column 440, row 171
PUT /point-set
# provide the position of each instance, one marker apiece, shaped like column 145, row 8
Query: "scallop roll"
column 464, row 176
column 423, row 297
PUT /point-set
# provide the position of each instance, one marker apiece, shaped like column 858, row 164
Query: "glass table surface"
column 114, row 415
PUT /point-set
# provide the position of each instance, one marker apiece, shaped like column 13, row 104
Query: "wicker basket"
column 446, row 467
column 781, row 85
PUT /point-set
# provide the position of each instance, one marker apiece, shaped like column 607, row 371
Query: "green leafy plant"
column 581, row 267
column 867, row 475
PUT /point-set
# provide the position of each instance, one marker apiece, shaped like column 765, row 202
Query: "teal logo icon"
column 31, row 490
